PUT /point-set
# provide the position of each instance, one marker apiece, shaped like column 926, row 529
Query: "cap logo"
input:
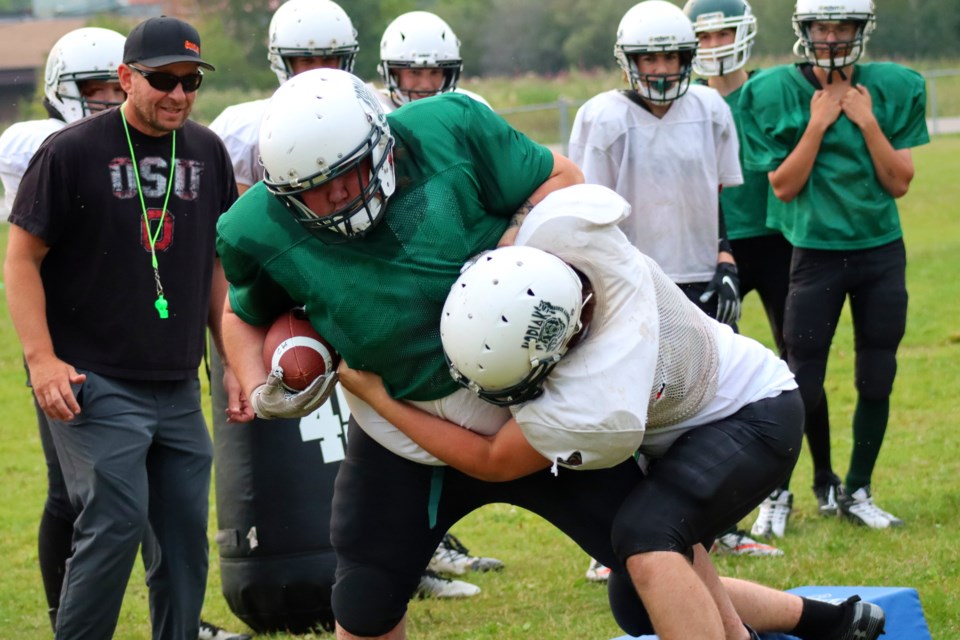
column 191, row 46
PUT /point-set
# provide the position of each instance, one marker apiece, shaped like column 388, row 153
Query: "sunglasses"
column 167, row 82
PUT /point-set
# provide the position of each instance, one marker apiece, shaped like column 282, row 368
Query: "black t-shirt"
column 79, row 195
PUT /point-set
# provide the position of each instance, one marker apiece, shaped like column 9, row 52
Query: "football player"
column 600, row 356
column 419, row 58
column 838, row 157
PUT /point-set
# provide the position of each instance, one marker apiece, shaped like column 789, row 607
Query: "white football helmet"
column 319, row 125
column 508, row 320
column 714, row 15
column 317, row 28
column 90, row 53
column 842, row 53
column 656, row 26
column 423, row 40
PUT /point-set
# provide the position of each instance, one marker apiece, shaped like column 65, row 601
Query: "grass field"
column 542, row 592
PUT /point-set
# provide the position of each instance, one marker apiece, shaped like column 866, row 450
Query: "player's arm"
column 50, row 376
column 498, row 458
column 789, row 179
column 236, row 399
column 564, row 174
column 243, row 349
column 894, row 167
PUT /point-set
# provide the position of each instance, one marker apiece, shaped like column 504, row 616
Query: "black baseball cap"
column 163, row 40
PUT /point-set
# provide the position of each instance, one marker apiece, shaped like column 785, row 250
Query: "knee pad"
column 876, row 369
column 632, row 535
column 369, row 602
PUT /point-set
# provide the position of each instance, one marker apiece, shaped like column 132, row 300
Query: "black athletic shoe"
column 827, row 490
column 864, row 620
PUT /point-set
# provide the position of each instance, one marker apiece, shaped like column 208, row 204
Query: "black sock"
column 818, row 620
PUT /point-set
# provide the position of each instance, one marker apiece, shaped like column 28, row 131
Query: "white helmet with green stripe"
column 715, row 15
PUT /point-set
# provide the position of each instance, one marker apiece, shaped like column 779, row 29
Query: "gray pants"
column 139, row 453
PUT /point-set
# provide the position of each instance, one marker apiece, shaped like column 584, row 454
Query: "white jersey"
column 239, row 128
column 17, row 145
column 608, row 384
column 461, row 407
column 669, row 169
column 383, row 95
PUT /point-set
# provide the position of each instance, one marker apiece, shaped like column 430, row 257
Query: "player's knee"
column 876, row 369
column 809, row 374
column 368, row 602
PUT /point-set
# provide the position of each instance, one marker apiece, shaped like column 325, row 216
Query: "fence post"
column 564, row 106
column 934, row 112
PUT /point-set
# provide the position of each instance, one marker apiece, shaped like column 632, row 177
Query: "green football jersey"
column 843, row 206
column 462, row 172
column 745, row 206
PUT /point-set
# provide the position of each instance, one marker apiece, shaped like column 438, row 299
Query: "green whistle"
column 161, row 305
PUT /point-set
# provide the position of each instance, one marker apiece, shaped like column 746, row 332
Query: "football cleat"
column 773, row 515
column 860, row 508
column 452, row 557
column 739, row 543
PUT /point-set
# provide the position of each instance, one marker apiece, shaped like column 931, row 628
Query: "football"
column 294, row 345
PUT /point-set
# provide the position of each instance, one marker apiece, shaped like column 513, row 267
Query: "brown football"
column 294, row 345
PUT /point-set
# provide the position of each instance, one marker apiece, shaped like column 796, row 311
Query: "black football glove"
column 726, row 286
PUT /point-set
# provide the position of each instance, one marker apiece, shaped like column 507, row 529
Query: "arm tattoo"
column 521, row 213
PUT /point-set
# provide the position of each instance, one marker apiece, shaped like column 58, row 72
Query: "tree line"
column 506, row 37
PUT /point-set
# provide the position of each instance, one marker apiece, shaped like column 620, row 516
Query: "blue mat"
column 901, row 605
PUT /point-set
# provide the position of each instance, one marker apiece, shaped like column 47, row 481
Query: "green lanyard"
column 161, row 302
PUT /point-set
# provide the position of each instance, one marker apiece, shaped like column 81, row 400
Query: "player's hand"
column 857, row 105
column 366, row 385
column 272, row 400
column 51, row 379
column 824, row 109
column 238, row 407
column 726, row 286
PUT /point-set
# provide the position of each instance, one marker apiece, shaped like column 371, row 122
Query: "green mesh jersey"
column 462, row 171
column 843, row 206
column 745, row 206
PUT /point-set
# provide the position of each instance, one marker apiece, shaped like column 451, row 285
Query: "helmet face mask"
column 839, row 53
column 320, row 126
column 653, row 27
column 717, row 15
column 84, row 54
column 310, row 29
column 419, row 40
column 508, row 320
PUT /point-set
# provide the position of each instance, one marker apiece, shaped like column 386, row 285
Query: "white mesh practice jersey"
column 239, row 128
column 596, row 401
column 669, row 169
column 17, row 145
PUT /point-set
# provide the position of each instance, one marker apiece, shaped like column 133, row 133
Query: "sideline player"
column 669, row 147
column 837, row 154
column 726, row 30
column 598, row 354
column 419, row 58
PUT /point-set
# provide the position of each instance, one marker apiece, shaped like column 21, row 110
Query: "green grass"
column 542, row 591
